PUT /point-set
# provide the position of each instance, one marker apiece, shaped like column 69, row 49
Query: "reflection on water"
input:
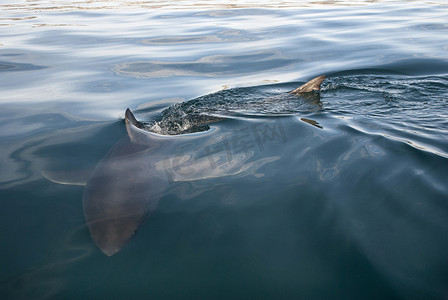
column 8, row 67
column 311, row 122
column 224, row 36
column 214, row 66
column 224, row 154
column 58, row 5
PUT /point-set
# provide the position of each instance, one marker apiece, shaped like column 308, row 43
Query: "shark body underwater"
column 128, row 182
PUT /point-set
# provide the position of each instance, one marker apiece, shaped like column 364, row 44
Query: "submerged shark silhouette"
column 128, row 182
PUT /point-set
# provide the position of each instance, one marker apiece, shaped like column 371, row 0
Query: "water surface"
column 340, row 197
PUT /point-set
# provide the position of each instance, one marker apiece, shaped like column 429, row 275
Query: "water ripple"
column 209, row 66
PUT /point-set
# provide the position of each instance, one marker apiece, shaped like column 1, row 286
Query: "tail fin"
column 312, row 85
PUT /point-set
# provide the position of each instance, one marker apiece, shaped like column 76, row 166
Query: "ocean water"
column 339, row 195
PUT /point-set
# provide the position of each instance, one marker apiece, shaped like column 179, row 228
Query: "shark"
column 128, row 182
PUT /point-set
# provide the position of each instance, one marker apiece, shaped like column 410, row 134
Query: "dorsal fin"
column 132, row 124
column 312, row 85
column 129, row 117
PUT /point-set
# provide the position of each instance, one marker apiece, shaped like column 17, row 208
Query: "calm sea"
column 342, row 196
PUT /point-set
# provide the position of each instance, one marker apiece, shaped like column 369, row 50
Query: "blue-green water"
column 340, row 196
